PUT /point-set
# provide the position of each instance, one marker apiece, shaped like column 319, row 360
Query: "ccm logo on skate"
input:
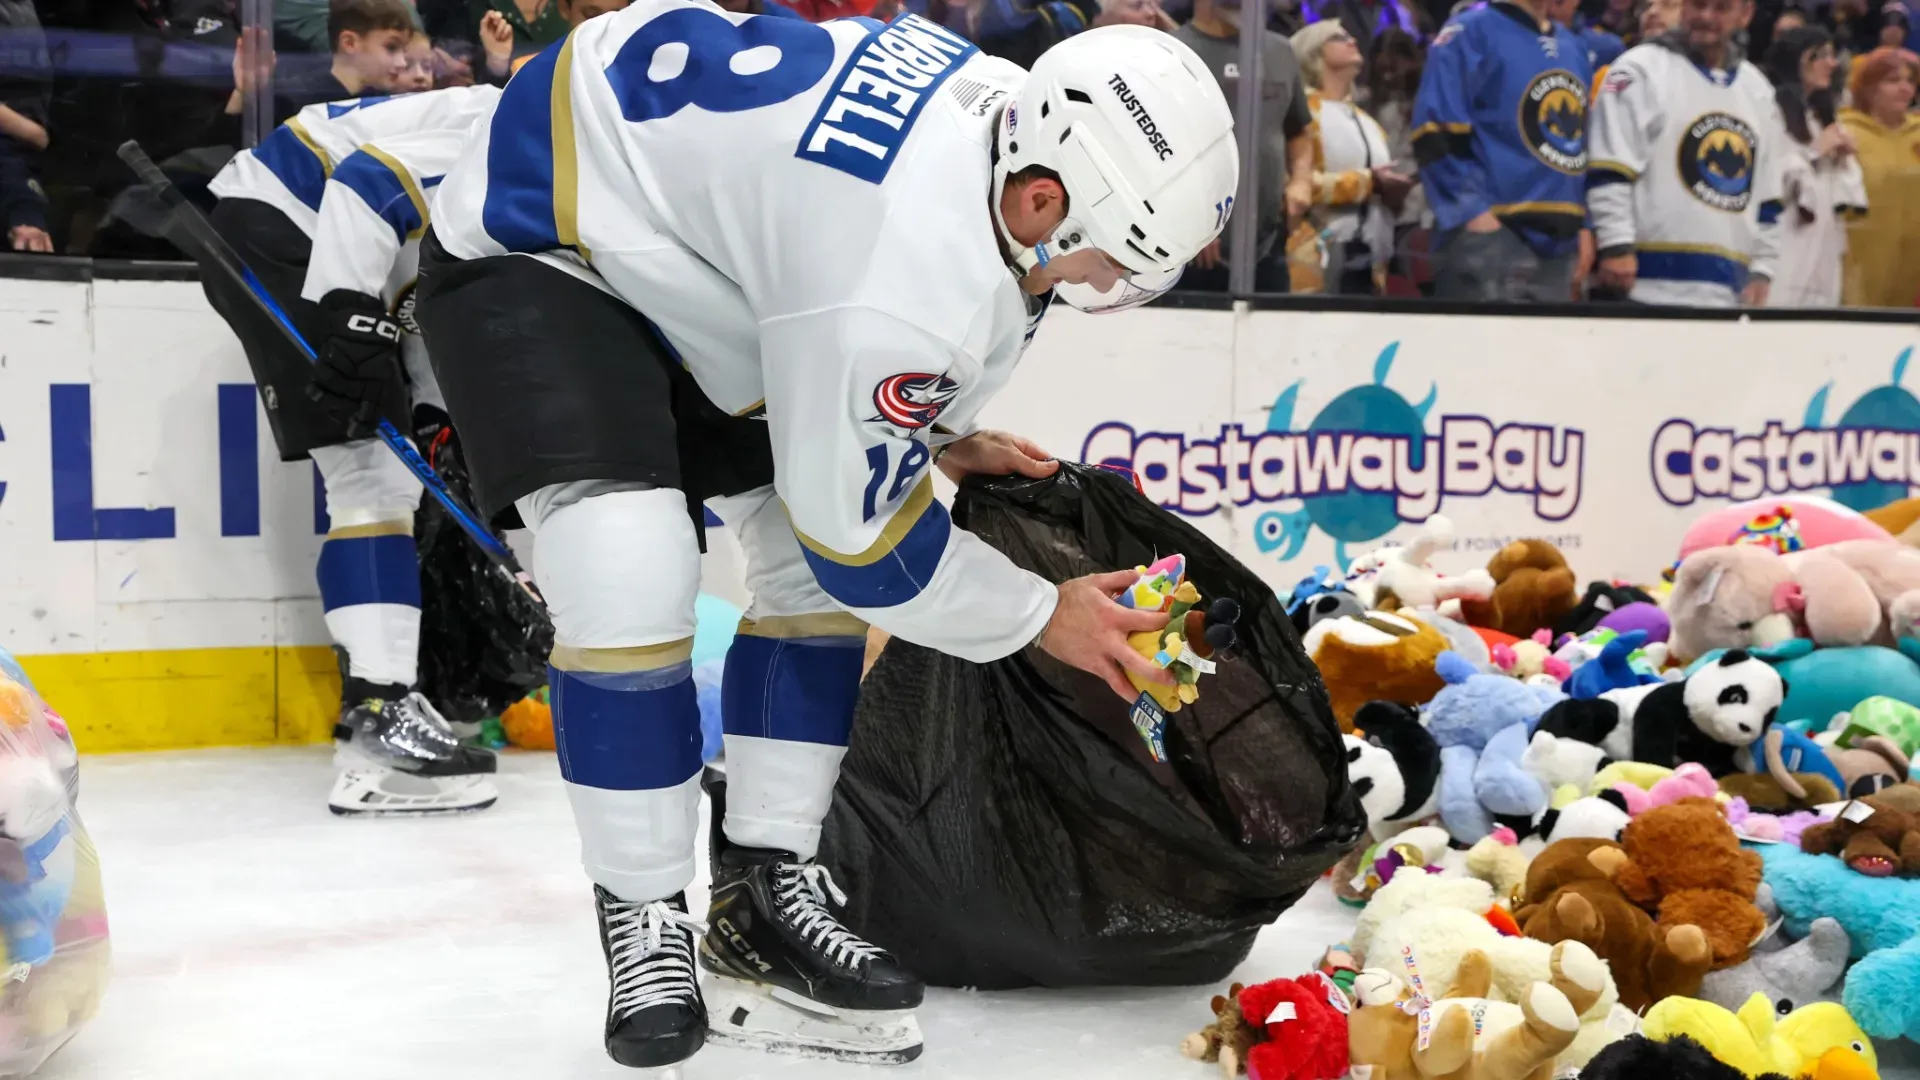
column 863, row 122
column 739, row 942
column 367, row 324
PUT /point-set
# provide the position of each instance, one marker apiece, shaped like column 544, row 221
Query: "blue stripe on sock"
column 369, row 570
column 794, row 689
column 632, row 731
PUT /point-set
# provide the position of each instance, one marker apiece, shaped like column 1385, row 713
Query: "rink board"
column 156, row 558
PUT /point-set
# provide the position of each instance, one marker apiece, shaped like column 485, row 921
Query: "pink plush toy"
column 1779, row 828
column 1818, row 521
column 1687, row 781
column 1854, row 592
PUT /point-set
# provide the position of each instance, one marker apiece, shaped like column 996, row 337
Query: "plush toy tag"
column 1151, row 722
column 1621, row 1022
column 1361, row 1072
column 1282, row 1012
column 1771, row 929
column 1195, row 661
column 1336, row 997
column 1857, row 812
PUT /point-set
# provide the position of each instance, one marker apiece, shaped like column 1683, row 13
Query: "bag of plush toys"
column 53, row 919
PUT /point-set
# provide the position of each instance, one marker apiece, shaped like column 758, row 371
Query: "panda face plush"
column 1733, row 699
column 1376, row 778
column 1328, row 605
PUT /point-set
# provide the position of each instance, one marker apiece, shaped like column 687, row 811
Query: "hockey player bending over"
column 1684, row 185
column 778, row 266
column 332, row 232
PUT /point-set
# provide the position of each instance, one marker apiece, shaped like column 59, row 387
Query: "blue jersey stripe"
column 902, row 569
column 288, row 157
column 1692, row 266
column 797, row 690
column 626, row 732
column 518, row 211
column 377, row 185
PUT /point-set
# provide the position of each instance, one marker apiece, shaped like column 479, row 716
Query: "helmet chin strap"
column 1025, row 259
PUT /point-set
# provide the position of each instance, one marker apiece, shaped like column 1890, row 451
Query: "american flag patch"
column 1616, row 82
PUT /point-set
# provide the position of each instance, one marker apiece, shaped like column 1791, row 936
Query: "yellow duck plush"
column 1818, row 1041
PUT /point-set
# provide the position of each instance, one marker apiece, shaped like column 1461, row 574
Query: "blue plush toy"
column 1482, row 723
column 1881, row 915
column 1612, row 669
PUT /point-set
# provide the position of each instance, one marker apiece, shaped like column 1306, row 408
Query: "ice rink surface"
column 257, row 936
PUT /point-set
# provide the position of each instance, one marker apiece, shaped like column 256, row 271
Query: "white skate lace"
column 435, row 726
column 802, row 892
column 651, row 950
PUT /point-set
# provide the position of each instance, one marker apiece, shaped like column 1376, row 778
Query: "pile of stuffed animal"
column 53, row 921
column 1667, row 830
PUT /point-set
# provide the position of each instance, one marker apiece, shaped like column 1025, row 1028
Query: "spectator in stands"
column 1621, row 18
column 370, row 39
column 1356, row 192
column 1500, row 131
column 1791, row 18
column 1883, row 257
column 1603, row 46
column 1285, row 147
column 1820, row 179
column 1392, row 79
column 418, row 74
column 498, row 39
column 535, row 23
column 1020, row 30
column 25, row 74
column 1364, row 19
column 1896, row 24
column 1684, row 183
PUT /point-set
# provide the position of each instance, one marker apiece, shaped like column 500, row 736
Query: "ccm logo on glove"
column 368, row 324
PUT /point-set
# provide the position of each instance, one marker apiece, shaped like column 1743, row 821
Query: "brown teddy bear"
column 1471, row 1036
column 1570, row 895
column 1227, row 1039
column 1376, row 656
column 1533, row 589
column 1685, row 866
column 1872, row 835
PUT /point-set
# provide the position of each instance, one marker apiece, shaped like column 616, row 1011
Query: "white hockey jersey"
column 802, row 210
column 289, row 168
column 1684, row 169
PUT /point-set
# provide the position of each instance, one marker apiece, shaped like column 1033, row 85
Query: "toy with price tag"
column 1185, row 647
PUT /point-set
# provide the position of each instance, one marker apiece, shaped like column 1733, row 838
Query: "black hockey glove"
column 357, row 380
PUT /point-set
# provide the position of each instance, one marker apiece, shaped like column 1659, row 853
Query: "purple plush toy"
column 1639, row 616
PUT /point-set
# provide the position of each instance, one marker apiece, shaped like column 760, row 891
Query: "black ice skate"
column 396, row 756
column 785, row 974
column 655, row 1018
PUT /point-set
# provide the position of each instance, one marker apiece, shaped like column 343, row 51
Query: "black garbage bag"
column 483, row 640
column 1002, row 825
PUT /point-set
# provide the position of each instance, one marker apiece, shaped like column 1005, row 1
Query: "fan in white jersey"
column 327, row 212
column 1684, row 181
column 778, row 267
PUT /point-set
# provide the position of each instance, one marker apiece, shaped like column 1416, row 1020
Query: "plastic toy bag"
column 1004, row 825
column 53, row 919
column 483, row 641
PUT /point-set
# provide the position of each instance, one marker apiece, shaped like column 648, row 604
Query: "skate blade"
column 772, row 1020
column 385, row 793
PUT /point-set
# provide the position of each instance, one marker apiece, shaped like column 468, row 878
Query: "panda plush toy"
column 1709, row 718
column 1394, row 768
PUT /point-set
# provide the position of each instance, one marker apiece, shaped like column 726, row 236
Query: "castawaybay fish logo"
column 1869, row 457
column 1365, row 464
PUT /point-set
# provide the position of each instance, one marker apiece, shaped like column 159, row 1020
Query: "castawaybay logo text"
column 1365, row 464
column 1868, row 458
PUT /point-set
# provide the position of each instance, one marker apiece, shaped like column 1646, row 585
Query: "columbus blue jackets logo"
column 1716, row 161
column 1553, row 120
column 913, row 400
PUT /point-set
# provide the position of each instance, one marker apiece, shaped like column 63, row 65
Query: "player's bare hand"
column 996, row 453
column 28, row 238
column 1618, row 272
column 1089, row 631
column 1756, row 292
column 1485, row 223
column 1209, row 256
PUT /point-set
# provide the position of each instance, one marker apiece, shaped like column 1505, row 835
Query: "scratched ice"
column 257, row 936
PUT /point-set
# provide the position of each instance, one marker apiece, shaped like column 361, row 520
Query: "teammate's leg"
column 396, row 754
column 619, row 564
column 792, row 682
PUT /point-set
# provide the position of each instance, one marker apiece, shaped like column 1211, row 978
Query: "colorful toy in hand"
column 1184, row 648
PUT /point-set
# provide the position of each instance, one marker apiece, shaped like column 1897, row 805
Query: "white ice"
column 257, row 937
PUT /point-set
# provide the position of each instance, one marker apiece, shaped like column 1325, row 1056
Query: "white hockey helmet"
column 1141, row 137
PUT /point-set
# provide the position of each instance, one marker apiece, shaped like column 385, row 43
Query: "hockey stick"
column 207, row 247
